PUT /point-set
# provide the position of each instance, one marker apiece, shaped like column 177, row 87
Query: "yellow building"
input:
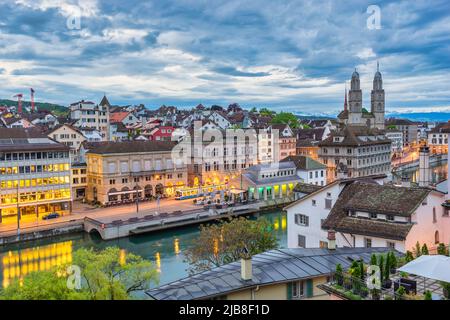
column 120, row 171
column 34, row 176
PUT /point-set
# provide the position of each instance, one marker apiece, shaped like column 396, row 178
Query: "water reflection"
column 165, row 249
column 438, row 173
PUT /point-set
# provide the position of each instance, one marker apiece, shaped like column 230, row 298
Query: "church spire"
column 345, row 99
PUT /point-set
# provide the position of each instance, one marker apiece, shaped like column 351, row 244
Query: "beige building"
column 71, row 137
column 79, row 180
column 356, row 151
column 283, row 274
column 119, row 171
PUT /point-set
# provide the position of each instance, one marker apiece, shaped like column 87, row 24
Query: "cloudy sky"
column 288, row 55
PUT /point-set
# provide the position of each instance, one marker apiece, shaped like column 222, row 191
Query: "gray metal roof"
column 275, row 266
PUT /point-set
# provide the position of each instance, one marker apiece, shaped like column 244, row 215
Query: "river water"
column 164, row 249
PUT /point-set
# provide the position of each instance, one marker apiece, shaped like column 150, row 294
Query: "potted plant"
column 399, row 294
column 339, row 275
column 446, row 289
column 428, row 295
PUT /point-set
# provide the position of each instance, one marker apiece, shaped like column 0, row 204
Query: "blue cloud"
column 291, row 55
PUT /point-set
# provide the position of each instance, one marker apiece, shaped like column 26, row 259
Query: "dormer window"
column 390, row 217
column 373, row 215
column 351, row 213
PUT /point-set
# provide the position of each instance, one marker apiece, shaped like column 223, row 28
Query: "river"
column 165, row 249
column 438, row 173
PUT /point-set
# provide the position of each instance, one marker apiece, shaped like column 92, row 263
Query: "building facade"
column 91, row 115
column 34, row 176
column 362, row 151
column 71, row 137
column 438, row 138
column 121, row 171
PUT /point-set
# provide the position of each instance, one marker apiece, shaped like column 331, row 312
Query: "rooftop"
column 305, row 163
column 275, row 266
column 132, row 147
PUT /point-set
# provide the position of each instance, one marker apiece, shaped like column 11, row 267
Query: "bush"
column 427, row 295
column 442, row 250
column 425, row 250
column 417, row 250
column 409, row 256
column 339, row 275
column 400, row 292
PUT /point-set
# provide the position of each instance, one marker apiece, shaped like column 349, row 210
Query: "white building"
column 396, row 136
column 369, row 214
column 90, row 115
column 309, row 170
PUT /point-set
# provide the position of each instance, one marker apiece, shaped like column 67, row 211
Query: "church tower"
column 377, row 99
column 355, row 101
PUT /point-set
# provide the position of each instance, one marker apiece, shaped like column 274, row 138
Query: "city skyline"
column 181, row 53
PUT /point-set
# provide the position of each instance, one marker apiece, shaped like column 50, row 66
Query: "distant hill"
column 56, row 109
column 422, row 116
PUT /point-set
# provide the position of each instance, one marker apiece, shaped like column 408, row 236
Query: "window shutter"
column 289, row 290
column 307, row 221
column 309, row 288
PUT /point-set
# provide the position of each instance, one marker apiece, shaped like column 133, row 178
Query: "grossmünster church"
column 354, row 114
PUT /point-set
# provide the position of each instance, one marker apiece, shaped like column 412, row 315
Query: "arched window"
column 434, row 215
column 436, row 237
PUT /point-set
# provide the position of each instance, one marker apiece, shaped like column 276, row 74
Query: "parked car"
column 52, row 215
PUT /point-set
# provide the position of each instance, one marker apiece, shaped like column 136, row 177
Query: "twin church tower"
column 354, row 114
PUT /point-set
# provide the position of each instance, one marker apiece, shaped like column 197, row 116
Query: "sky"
column 286, row 55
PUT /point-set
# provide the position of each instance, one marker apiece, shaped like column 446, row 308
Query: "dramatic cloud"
column 292, row 55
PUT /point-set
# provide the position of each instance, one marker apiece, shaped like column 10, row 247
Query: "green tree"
column 266, row 112
column 409, row 256
column 441, row 249
column 106, row 276
column 253, row 110
column 417, row 250
column 41, row 285
column 225, row 242
column 286, row 118
column 425, row 249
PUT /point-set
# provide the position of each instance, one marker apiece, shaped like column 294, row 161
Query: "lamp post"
column 18, row 211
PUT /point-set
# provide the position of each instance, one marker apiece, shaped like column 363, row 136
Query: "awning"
column 432, row 267
column 123, row 192
column 237, row 191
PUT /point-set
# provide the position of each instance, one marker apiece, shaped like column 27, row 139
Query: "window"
column 434, row 215
column 314, row 202
column 112, row 181
column 328, row 203
column 301, row 241
column 436, row 237
column 373, row 215
column 390, row 245
column 390, row 217
column 298, row 289
column 323, row 244
column 302, row 220
column 368, row 242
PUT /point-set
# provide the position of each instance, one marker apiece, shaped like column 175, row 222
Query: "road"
column 80, row 211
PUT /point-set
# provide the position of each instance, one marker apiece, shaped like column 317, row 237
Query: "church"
column 354, row 114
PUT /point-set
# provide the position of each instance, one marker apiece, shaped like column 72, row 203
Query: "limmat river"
column 439, row 172
column 165, row 249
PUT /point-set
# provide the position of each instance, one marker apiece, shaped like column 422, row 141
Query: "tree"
column 253, row 110
column 286, row 118
column 41, row 285
column 441, row 249
column 266, row 112
column 425, row 249
column 108, row 277
column 105, row 275
column 225, row 242
column 417, row 250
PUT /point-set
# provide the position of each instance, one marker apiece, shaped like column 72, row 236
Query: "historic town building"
column 34, row 176
column 356, row 151
column 122, row 171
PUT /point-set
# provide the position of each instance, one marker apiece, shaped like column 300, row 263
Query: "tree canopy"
column 104, row 275
column 286, row 118
column 224, row 242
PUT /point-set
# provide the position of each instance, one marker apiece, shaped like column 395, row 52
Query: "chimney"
column 405, row 181
column 424, row 166
column 246, row 269
column 331, row 239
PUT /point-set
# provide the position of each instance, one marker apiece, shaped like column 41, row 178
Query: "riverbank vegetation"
column 228, row 241
column 110, row 274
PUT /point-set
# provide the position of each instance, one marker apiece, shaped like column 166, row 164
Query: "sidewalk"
column 80, row 211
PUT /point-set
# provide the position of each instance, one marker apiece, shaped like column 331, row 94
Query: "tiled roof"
column 306, row 188
column 271, row 267
column 375, row 198
column 133, row 147
column 352, row 136
column 305, row 163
